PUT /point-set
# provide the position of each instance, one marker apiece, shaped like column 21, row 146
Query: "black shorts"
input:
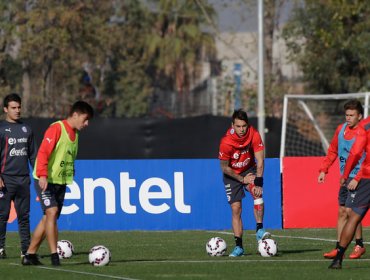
column 52, row 197
column 235, row 191
column 343, row 194
column 359, row 199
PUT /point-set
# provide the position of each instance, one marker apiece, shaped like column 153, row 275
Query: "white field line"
column 287, row 236
column 79, row 272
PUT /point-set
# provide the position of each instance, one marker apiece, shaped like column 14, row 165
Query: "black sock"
column 238, row 241
column 54, row 256
column 340, row 253
column 259, row 226
column 360, row 242
column 337, row 245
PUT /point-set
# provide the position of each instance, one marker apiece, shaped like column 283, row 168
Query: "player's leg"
column 359, row 248
column 237, row 225
column 5, row 202
column 22, row 207
column 341, row 220
column 359, row 205
column 258, row 211
column 38, row 236
column 236, row 220
column 235, row 193
column 347, row 235
column 51, row 225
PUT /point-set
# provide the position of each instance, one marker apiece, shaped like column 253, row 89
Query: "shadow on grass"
column 287, row 252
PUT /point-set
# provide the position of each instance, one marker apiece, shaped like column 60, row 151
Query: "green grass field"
column 181, row 255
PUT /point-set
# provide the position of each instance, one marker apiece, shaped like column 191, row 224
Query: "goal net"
column 309, row 121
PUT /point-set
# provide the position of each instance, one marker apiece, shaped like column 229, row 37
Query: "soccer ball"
column 267, row 247
column 99, row 255
column 216, row 247
column 65, row 249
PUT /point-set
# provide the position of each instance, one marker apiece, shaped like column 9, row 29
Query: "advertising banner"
column 156, row 195
column 308, row 204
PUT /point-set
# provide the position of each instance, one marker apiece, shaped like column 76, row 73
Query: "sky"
column 242, row 15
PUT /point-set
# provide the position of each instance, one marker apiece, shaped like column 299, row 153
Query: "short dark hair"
column 354, row 104
column 240, row 114
column 82, row 107
column 11, row 97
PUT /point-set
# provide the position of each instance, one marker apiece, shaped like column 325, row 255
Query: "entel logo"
column 126, row 184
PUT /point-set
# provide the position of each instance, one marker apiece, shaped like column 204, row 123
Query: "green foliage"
column 45, row 46
column 330, row 42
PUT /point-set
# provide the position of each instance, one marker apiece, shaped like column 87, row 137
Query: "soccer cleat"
column 2, row 253
column 31, row 259
column 331, row 255
column 357, row 252
column 237, row 252
column 336, row 264
column 261, row 234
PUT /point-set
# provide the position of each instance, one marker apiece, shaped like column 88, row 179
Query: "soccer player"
column 17, row 150
column 359, row 187
column 344, row 137
column 241, row 157
column 54, row 169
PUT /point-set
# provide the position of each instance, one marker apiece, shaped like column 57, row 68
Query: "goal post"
column 309, row 121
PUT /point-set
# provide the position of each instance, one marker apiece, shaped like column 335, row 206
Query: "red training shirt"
column 239, row 151
column 332, row 153
column 51, row 138
column 358, row 148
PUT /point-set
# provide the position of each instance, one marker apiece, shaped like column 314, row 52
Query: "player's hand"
column 321, row 178
column 257, row 191
column 352, row 185
column 342, row 181
column 249, row 178
column 1, row 183
column 43, row 183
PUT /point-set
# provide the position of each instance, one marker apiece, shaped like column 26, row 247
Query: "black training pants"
column 17, row 189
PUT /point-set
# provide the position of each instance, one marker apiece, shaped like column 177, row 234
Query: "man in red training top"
column 344, row 137
column 54, row 169
column 359, row 188
column 240, row 149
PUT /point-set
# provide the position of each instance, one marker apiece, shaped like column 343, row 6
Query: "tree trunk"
column 26, row 88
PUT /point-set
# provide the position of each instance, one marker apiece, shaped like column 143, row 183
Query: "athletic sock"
column 238, row 241
column 337, row 245
column 340, row 253
column 259, row 226
column 360, row 242
column 55, row 259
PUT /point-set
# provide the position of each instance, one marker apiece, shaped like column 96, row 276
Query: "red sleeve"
column 51, row 137
column 225, row 151
column 332, row 153
column 355, row 153
column 257, row 143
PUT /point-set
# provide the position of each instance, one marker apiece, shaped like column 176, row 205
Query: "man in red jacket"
column 359, row 187
column 343, row 139
column 241, row 156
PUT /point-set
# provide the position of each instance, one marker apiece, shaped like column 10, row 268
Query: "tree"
column 329, row 40
column 177, row 46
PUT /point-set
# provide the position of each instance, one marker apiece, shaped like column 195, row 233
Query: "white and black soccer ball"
column 65, row 249
column 99, row 255
column 267, row 247
column 216, row 247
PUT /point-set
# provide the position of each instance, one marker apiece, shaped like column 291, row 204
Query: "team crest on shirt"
column 235, row 155
column 24, row 129
column 232, row 131
column 47, row 202
column 1, row 194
